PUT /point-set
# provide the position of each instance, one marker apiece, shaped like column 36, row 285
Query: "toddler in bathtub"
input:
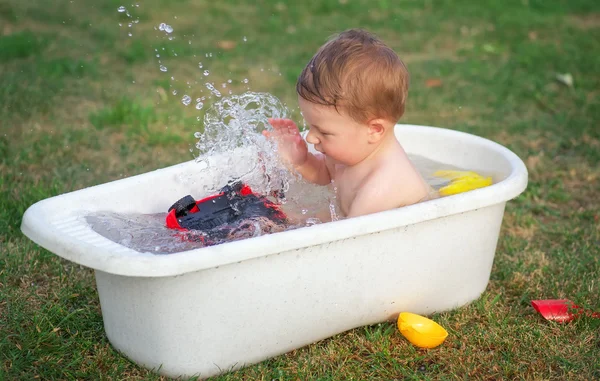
column 351, row 94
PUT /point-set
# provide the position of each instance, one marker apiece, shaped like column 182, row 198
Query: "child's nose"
column 311, row 138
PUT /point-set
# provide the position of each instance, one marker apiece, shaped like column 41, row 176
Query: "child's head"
column 351, row 93
column 358, row 75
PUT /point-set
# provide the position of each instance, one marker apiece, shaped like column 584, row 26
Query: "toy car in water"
column 233, row 204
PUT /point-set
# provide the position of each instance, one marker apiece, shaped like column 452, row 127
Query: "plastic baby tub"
column 218, row 308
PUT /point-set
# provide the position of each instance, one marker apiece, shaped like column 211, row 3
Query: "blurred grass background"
column 82, row 102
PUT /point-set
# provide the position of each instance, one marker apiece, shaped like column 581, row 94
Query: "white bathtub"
column 214, row 309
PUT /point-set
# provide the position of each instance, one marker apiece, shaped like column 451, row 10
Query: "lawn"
column 83, row 101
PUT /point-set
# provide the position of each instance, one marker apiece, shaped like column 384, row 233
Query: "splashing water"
column 238, row 121
column 213, row 90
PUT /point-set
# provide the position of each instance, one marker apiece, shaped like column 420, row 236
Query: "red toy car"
column 234, row 203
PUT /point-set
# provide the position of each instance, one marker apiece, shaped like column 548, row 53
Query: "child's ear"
column 377, row 129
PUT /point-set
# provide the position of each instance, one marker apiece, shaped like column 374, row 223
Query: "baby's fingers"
column 294, row 130
column 290, row 123
column 278, row 124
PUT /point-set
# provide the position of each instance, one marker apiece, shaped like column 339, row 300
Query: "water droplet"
column 186, row 100
column 212, row 89
column 229, row 81
column 163, row 68
column 200, row 66
column 245, row 80
column 197, row 135
column 165, row 27
column 199, row 106
column 206, row 72
column 174, row 92
column 130, row 34
column 122, row 9
column 245, row 39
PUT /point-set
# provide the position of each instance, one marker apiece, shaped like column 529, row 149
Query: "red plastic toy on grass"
column 561, row 310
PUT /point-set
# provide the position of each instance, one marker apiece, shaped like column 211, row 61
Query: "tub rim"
column 137, row 264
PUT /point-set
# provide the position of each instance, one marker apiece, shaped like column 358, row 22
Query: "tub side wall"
column 457, row 149
column 230, row 316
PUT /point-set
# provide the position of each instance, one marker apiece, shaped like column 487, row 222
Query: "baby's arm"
column 293, row 149
column 315, row 169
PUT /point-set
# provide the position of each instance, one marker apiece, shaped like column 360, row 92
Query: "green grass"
column 19, row 45
column 124, row 112
column 83, row 103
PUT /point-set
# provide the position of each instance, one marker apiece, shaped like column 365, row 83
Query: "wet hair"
column 356, row 72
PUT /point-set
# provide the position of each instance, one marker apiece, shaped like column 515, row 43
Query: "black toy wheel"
column 183, row 205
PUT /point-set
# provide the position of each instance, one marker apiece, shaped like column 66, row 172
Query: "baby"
column 351, row 94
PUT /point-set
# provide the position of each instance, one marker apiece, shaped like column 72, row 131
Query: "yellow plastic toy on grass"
column 461, row 181
column 421, row 331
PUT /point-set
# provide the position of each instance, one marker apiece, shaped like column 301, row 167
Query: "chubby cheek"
column 342, row 153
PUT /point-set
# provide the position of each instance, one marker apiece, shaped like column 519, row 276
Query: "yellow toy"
column 420, row 331
column 462, row 181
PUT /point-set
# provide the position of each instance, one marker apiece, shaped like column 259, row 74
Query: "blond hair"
column 357, row 72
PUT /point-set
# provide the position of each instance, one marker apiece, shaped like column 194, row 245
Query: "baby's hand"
column 291, row 146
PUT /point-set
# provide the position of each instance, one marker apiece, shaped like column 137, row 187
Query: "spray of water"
column 238, row 121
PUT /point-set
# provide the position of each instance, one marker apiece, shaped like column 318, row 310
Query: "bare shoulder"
column 404, row 182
